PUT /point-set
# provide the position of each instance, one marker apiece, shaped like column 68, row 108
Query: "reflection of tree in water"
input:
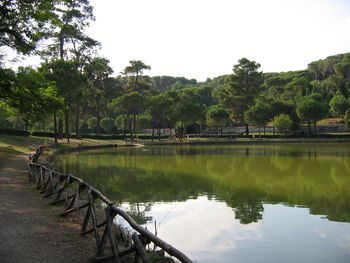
column 248, row 213
column 246, row 203
column 243, row 178
column 138, row 212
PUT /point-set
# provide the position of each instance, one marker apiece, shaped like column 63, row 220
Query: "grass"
column 11, row 145
column 330, row 121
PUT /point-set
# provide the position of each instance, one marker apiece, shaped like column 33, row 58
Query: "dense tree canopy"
column 76, row 85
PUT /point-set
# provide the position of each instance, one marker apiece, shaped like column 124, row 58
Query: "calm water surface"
column 244, row 204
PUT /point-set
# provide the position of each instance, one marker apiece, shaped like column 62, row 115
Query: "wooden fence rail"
column 79, row 196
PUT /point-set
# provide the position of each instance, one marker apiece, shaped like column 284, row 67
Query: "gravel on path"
column 30, row 230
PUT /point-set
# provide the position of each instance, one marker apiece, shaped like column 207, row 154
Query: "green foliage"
column 188, row 109
column 309, row 109
column 122, row 122
column 92, row 123
column 106, row 124
column 7, row 79
column 283, row 122
column 259, row 114
column 164, row 83
column 66, row 76
column 135, row 69
column 35, row 96
column 130, row 103
column 296, row 88
column 97, row 72
column 158, row 109
column 338, row 105
column 217, row 116
column 346, row 117
column 25, row 22
column 240, row 89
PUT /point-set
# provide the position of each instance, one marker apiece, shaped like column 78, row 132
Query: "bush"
column 283, row 123
column 346, row 117
column 106, row 124
column 92, row 122
column 14, row 132
column 43, row 134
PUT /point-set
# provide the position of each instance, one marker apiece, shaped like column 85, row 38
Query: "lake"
column 231, row 203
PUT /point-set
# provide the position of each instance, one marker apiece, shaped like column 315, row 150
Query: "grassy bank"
column 11, row 145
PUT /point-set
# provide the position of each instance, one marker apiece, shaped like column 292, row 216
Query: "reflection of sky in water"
column 206, row 231
column 249, row 181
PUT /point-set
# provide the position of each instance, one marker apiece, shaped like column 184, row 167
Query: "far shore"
column 11, row 145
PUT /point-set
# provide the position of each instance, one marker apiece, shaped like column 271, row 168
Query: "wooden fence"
column 79, row 196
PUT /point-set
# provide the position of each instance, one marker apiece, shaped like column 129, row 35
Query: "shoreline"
column 247, row 141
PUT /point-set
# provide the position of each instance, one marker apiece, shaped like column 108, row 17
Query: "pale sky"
column 205, row 38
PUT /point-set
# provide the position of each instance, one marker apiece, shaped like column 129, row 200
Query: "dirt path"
column 30, row 230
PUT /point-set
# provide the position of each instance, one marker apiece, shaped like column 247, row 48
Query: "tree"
column 131, row 104
column 35, row 96
column 68, row 42
column 98, row 72
column 278, row 107
column 338, row 105
column 296, row 88
column 217, row 117
column 25, row 22
column 92, row 123
column 283, row 123
column 241, row 89
column 7, row 80
column 276, row 86
column 309, row 109
column 136, row 68
column 158, row 111
column 188, row 109
column 346, row 117
column 259, row 114
column 68, row 81
column 106, row 124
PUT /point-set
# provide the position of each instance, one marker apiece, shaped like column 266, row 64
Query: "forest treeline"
column 75, row 90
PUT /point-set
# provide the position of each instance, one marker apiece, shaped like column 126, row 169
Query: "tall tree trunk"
column 61, row 39
column 126, row 118
column 136, row 79
column 55, row 126
column 60, row 128
column 183, row 131
column 132, row 129
column 153, row 131
column 26, row 122
column 98, row 117
column 308, row 128
column 134, row 125
column 66, row 120
column 246, row 130
column 77, row 119
column 315, row 129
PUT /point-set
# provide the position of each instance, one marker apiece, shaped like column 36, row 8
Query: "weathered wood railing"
column 79, row 196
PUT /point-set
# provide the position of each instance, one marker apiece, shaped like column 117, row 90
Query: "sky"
column 205, row 38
